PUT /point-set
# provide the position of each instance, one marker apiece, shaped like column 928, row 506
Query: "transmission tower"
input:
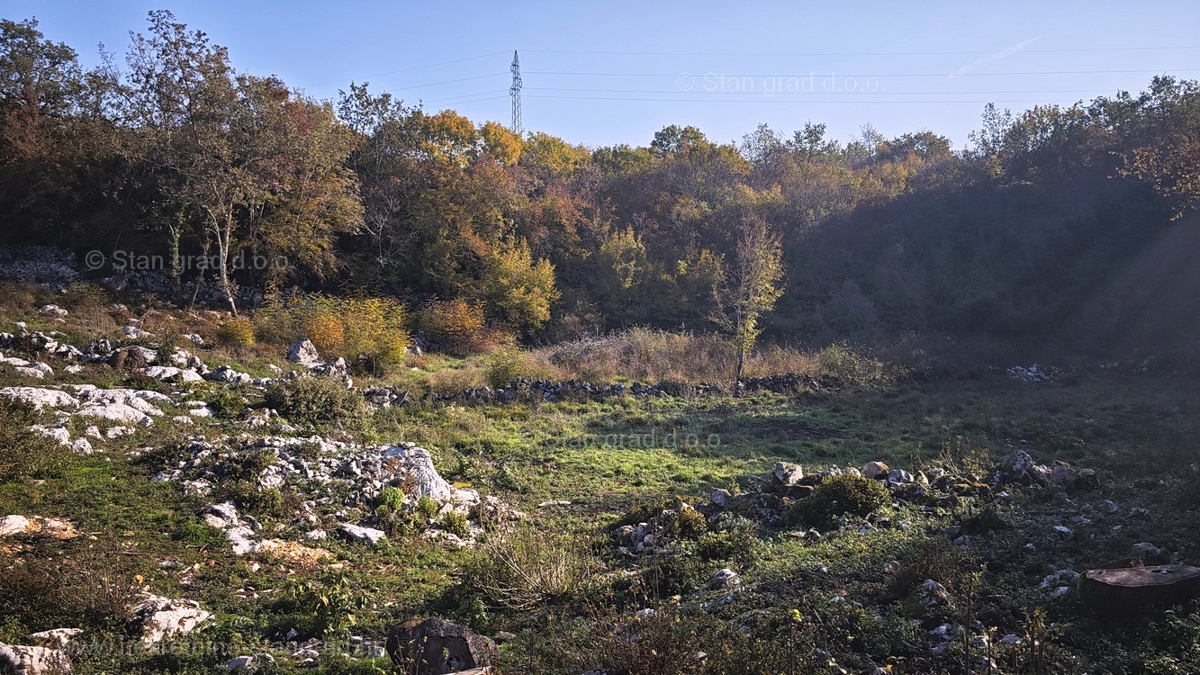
column 515, row 92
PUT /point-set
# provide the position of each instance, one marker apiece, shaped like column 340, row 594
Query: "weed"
column 837, row 496
column 525, row 567
column 317, row 400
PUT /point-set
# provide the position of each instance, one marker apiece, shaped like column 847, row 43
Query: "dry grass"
column 648, row 355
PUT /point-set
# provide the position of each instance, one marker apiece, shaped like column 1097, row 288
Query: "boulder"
column 171, row 372
column 929, row 599
column 366, row 535
column 724, row 579
column 786, row 474
column 158, row 618
column 116, row 412
column 22, row 660
column 411, row 462
column 435, row 646
column 39, row 397
column 1134, row 589
column 875, row 470
column 60, row 637
column 304, row 352
column 132, row 357
column 52, row 310
column 10, row 525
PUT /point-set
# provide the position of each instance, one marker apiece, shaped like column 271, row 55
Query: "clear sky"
column 615, row 72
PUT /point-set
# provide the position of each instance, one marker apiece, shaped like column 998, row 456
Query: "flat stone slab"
column 1133, row 589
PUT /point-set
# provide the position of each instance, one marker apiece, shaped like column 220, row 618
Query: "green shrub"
column 317, row 400
column 675, row 575
column 24, row 453
column 226, row 403
column 426, row 507
column 503, row 366
column 686, row 523
column 455, row 522
column 837, row 496
column 391, row 498
column 841, row 362
column 737, row 543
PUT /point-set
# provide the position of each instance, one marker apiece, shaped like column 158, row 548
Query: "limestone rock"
column 39, row 397
column 159, row 618
column 304, row 352
column 418, row 464
column 438, row 646
column 366, row 535
column 1129, row 590
column 786, row 474
column 875, row 470
column 23, row 660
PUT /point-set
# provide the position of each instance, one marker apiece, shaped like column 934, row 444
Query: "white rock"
column 181, row 419
column 304, row 352
column 10, row 525
column 169, row 372
column 81, row 446
column 74, row 369
column 59, row 434
column 366, row 535
column 23, row 660
column 31, row 372
column 60, row 636
column 117, row 432
column 161, row 617
column 418, row 465
column 221, row 516
column 93, row 432
column 52, row 310
column 116, row 412
column 39, row 397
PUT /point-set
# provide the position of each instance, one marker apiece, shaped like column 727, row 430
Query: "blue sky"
column 616, row 72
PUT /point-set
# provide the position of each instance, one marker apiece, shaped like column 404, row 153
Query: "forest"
column 172, row 152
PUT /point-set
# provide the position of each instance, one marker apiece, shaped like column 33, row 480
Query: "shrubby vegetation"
column 487, row 236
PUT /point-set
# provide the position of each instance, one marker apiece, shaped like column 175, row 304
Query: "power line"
column 860, row 92
column 405, row 70
column 768, row 54
column 766, row 100
column 816, row 74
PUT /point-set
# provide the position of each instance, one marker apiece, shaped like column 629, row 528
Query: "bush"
column 317, row 400
column 369, row 332
column 839, row 361
column 738, row 543
column 24, row 453
column 326, row 332
column 837, row 496
column 503, row 366
column 686, row 523
column 455, row 324
column 455, row 522
column 526, row 567
column 391, row 498
column 236, row 332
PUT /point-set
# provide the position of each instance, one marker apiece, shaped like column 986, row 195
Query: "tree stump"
column 1134, row 589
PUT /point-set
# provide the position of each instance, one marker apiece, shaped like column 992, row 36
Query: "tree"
column 750, row 286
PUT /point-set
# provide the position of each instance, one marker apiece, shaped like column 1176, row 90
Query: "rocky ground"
column 274, row 517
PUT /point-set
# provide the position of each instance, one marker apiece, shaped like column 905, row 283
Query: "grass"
column 806, row 605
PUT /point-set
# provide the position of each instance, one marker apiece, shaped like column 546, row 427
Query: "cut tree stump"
column 1133, row 589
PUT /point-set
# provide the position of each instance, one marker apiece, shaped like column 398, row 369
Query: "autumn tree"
column 750, row 286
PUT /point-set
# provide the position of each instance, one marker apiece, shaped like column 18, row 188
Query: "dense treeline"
column 176, row 154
